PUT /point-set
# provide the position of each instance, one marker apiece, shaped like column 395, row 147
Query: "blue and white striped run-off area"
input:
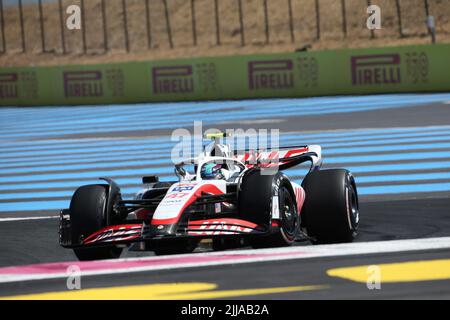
column 47, row 152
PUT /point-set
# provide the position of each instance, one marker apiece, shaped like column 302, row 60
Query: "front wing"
column 138, row 232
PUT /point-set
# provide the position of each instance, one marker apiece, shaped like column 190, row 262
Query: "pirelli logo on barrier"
column 270, row 74
column 302, row 74
column 172, row 79
column 83, row 84
column 9, row 88
column 18, row 85
column 376, row 69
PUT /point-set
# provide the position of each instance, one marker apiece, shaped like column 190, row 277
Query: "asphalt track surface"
column 398, row 146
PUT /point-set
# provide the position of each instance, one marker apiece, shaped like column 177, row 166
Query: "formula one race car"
column 235, row 198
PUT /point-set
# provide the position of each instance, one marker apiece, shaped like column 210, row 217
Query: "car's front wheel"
column 87, row 215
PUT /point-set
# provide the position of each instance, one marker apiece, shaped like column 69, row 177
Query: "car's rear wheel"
column 330, row 213
column 87, row 215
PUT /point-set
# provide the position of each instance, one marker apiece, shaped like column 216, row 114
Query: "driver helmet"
column 211, row 171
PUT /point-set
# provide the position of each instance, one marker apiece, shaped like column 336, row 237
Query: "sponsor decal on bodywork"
column 216, row 227
column 180, row 196
column 275, row 207
column 115, row 233
column 270, row 158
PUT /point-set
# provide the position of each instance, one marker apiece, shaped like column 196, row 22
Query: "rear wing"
column 283, row 158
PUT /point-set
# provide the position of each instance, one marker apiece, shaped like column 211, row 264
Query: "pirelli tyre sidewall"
column 330, row 213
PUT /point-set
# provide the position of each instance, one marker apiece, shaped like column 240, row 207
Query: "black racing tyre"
column 87, row 215
column 330, row 213
column 255, row 205
column 174, row 246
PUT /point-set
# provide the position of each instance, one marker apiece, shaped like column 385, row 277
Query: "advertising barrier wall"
column 422, row 68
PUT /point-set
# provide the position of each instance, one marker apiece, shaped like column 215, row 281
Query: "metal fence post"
column 41, row 22
column 149, row 26
column 194, row 27
column 61, row 23
column 169, row 30
column 241, row 22
column 344, row 18
column 372, row 33
column 291, row 21
column 22, row 28
column 125, row 26
column 399, row 18
column 2, row 26
column 83, row 27
column 430, row 21
column 427, row 7
column 217, row 18
column 266, row 21
column 105, row 28
column 317, row 20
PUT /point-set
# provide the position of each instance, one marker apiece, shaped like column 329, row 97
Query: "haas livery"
column 235, row 198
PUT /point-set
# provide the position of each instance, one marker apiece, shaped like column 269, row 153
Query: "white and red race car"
column 234, row 198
